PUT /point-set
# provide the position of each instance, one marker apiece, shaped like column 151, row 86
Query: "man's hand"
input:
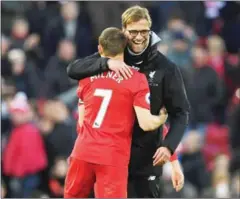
column 120, row 68
column 177, row 176
column 161, row 156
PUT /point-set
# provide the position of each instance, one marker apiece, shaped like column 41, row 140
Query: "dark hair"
column 113, row 41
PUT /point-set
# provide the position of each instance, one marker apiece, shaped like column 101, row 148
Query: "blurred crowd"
column 39, row 102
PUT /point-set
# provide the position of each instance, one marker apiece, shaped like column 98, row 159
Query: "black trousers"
column 145, row 187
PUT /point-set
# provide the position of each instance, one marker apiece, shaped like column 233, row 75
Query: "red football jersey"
column 106, row 135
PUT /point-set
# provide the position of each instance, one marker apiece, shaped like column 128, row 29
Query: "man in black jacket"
column 149, row 151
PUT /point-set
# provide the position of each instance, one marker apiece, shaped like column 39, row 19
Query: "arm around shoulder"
column 86, row 67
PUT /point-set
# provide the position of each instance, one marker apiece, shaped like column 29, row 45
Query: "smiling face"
column 136, row 24
column 138, row 35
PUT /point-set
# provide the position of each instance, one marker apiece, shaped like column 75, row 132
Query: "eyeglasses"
column 135, row 33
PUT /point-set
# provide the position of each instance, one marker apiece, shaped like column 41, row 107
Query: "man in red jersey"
column 101, row 153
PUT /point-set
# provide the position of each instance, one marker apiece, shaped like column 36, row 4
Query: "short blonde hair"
column 113, row 41
column 135, row 14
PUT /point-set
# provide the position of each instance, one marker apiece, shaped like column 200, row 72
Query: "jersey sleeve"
column 142, row 93
column 81, row 90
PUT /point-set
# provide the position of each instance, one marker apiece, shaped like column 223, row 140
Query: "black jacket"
column 166, row 89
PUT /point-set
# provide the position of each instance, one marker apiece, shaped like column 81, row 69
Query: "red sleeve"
column 82, row 85
column 165, row 131
column 81, row 90
column 142, row 94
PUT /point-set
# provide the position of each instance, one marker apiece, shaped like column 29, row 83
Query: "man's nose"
column 139, row 36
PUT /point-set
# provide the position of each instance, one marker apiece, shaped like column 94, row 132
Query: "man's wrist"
column 176, row 165
column 174, row 157
column 169, row 149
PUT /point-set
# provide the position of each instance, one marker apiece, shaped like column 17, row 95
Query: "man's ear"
column 100, row 49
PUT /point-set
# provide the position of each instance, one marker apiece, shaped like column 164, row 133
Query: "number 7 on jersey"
column 106, row 95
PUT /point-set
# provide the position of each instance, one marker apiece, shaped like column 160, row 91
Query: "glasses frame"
column 143, row 33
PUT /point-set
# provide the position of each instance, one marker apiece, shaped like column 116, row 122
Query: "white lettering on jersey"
column 110, row 74
column 147, row 98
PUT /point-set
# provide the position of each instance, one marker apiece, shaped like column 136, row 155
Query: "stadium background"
column 39, row 39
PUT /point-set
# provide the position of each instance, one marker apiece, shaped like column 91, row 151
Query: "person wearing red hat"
column 24, row 155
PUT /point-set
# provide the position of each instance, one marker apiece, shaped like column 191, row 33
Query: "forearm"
column 86, row 67
column 176, row 164
column 178, row 125
column 152, row 122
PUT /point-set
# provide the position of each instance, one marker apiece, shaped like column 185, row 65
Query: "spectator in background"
column 24, row 73
column 58, row 129
column 57, row 177
column 25, row 153
column 216, row 59
column 22, row 39
column 5, row 65
column 204, row 91
column 177, row 24
column 177, row 42
column 192, row 160
column 56, row 80
column 19, row 32
column 216, row 51
column 179, row 53
column 71, row 25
